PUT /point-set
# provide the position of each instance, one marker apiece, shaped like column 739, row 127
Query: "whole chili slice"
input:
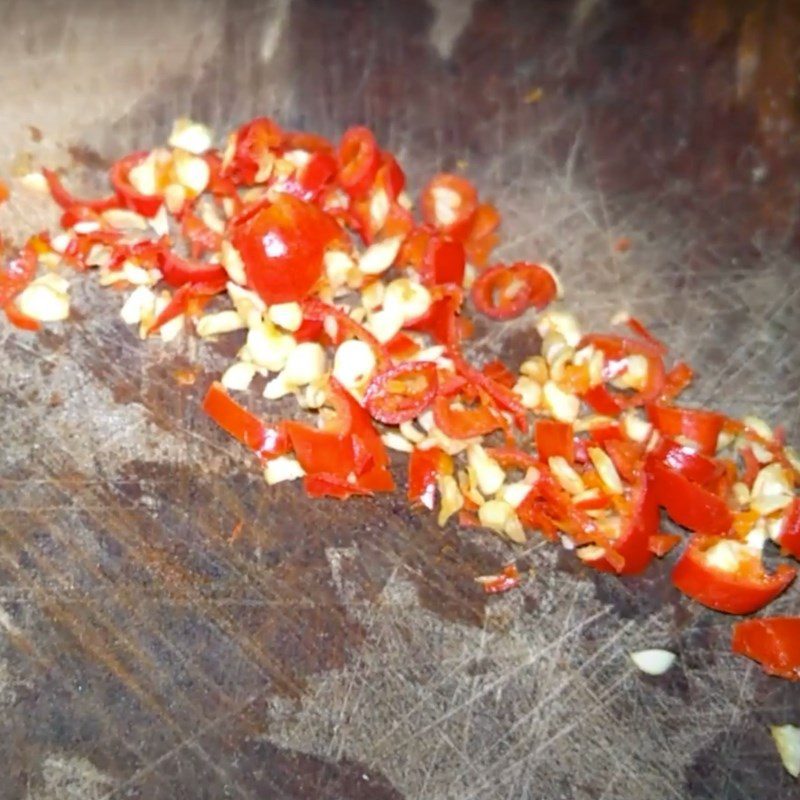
column 772, row 641
column 424, row 469
column 401, row 392
column 726, row 575
column 267, row 440
column 687, row 503
column 506, row 291
column 359, row 159
column 702, row 427
column 254, row 142
column 145, row 204
column 554, row 438
column 68, row 200
column 449, row 203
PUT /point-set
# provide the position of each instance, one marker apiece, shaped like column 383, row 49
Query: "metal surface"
column 343, row 650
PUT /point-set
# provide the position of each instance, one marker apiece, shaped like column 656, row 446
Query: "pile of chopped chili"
column 359, row 308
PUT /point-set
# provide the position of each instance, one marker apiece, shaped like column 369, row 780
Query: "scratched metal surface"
column 343, row 651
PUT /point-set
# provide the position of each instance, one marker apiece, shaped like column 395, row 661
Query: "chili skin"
column 774, row 642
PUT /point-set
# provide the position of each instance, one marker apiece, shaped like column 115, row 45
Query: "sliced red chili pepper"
column 627, row 456
column 282, row 248
column 772, row 641
column 311, row 179
column 702, row 427
column 694, row 466
column 444, row 261
column 178, row 271
column 267, row 440
column 328, row 484
column 402, row 346
column 676, row 380
column 449, row 203
column 254, row 141
column 605, row 433
column 4, row 192
column 643, row 332
column 145, row 204
column 482, row 239
column 464, row 423
column 67, row 200
column 752, row 465
column 401, row 392
column 514, row 458
column 497, row 584
column 741, row 590
column 188, row 297
column 633, row 543
column 662, row 543
column 218, row 184
column 789, row 536
column 316, row 311
column 390, row 176
column 554, row 438
column 349, row 447
column 499, row 373
column 687, row 503
column 359, row 159
column 19, row 272
column 616, row 348
column 424, row 469
column 505, row 399
column 506, row 291
column 440, row 320
column 201, row 238
column 20, row 320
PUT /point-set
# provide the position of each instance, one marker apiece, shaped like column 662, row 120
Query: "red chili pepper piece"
column 282, row 248
column 402, row 346
column 772, row 641
column 444, row 261
column 359, row 159
column 186, row 297
column 19, row 272
column 789, row 537
column 464, row 423
column 662, row 543
column 554, row 438
column 20, row 320
column 687, row 503
column 441, row 320
column 481, row 239
column 349, row 448
column 315, row 310
column 676, row 380
column 694, row 466
column 67, row 200
column 497, row 584
column 424, row 469
column 742, row 590
column 178, row 271
column 506, row 291
column 499, row 373
column 401, row 392
column 145, row 204
column 449, row 203
column 633, row 543
column 702, row 427
column 4, row 192
column 201, row 238
column 254, row 142
column 267, row 440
